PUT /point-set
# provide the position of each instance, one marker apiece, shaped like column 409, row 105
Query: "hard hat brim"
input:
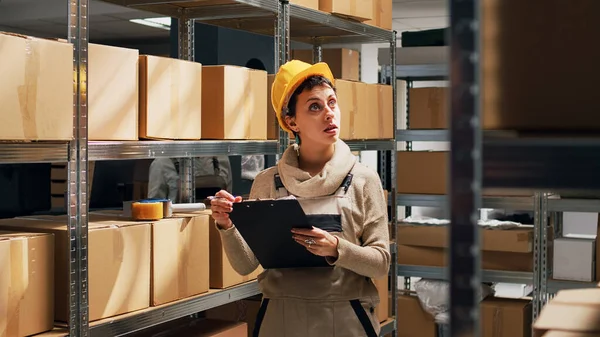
column 318, row 69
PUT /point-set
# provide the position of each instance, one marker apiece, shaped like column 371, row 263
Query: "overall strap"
column 281, row 191
column 345, row 185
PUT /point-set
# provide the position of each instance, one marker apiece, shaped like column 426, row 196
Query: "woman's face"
column 317, row 116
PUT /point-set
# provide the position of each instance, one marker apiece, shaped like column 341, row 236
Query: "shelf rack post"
column 186, row 34
column 540, row 253
column 465, row 169
column 283, row 50
column 393, row 182
column 77, row 168
column 317, row 51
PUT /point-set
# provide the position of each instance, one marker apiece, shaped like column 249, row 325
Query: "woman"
column 317, row 302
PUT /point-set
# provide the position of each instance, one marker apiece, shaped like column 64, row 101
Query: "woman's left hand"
column 317, row 241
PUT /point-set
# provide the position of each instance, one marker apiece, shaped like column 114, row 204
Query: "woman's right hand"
column 221, row 205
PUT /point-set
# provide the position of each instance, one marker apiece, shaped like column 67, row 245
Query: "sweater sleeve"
column 372, row 258
column 238, row 252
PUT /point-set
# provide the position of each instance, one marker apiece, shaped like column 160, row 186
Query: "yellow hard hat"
column 287, row 80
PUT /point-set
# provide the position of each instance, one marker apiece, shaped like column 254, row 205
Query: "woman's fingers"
column 225, row 195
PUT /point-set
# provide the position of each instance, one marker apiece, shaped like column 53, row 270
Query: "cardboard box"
column 222, row 274
column 170, row 102
column 414, row 320
column 510, row 250
column 59, row 181
column 503, row 317
column 118, row 263
column 570, row 311
column 113, row 93
column 383, row 309
column 234, row 104
column 352, row 100
column 312, row 4
column 360, row 10
column 379, row 121
column 26, row 283
column 240, row 311
column 382, row 14
column 428, row 108
column 180, row 258
column 180, row 255
column 574, row 259
column 36, row 89
column 426, row 172
column 344, row 63
column 525, row 63
column 422, row 172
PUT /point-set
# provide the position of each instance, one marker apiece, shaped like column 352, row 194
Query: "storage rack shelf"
column 257, row 16
column 135, row 321
column 441, row 273
column 280, row 19
column 48, row 152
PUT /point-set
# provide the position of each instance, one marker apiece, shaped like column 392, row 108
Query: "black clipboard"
column 266, row 226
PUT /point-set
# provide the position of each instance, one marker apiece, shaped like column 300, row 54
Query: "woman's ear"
column 291, row 123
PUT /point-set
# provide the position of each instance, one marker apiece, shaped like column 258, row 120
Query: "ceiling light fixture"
column 161, row 23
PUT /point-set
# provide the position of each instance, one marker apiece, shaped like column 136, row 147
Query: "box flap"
column 8, row 235
column 578, row 296
column 569, row 317
column 508, row 303
column 556, row 333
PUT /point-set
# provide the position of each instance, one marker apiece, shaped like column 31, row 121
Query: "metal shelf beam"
column 117, row 326
column 441, row 273
column 176, row 149
column 370, row 145
column 555, row 286
column 422, row 72
column 422, row 135
column 441, row 201
column 387, row 327
column 547, row 163
column 35, row 152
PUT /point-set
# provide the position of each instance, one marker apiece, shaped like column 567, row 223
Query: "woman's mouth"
column 331, row 128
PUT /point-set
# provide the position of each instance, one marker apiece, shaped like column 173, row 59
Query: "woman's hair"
column 308, row 84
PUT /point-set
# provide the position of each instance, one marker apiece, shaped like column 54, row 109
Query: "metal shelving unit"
column 276, row 18
column 528, row 162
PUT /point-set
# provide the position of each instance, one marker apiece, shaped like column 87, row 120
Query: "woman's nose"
column 329, row 113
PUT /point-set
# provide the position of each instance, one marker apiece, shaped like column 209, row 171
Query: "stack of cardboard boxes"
column 132, row 266
column 500, row 317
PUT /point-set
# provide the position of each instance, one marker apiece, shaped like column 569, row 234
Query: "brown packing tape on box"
column 174, row 72
column 354, row 110
column 16, row 289
column 437, row 104
column 28, row 91
column 249, row 104
column 380, row 112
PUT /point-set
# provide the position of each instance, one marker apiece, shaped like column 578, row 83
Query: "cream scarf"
column 301, row 184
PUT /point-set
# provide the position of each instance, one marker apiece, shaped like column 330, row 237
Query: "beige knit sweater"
column 369, row 214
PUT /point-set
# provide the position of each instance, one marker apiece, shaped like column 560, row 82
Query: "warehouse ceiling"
column 48, row 18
